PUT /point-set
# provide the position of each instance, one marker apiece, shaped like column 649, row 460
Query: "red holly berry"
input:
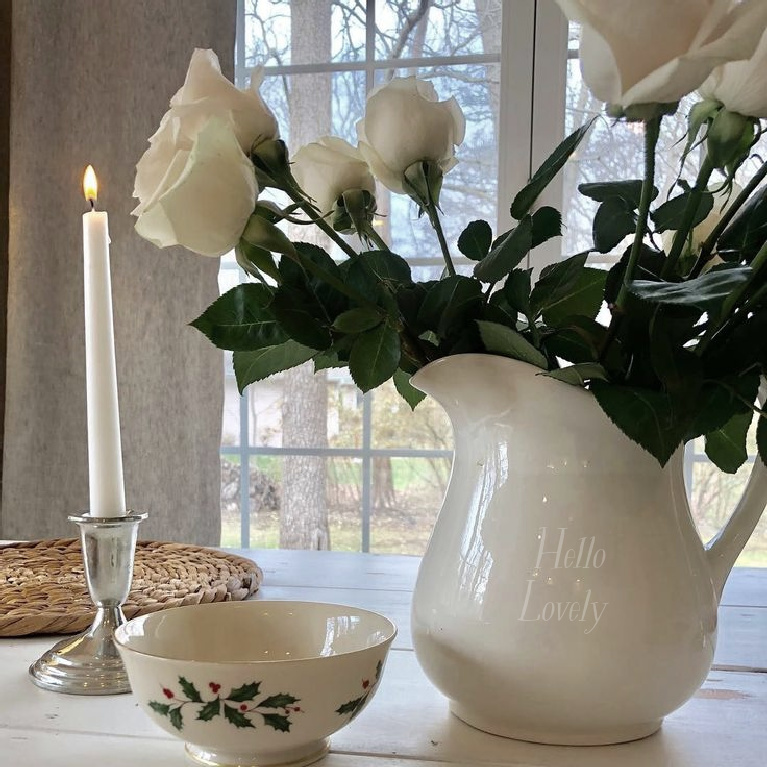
column 296, row 708
column 243, row 706
column 167, row 693
column 214, row 687
column 365, row 684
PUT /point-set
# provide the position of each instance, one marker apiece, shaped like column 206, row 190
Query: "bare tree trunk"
column 304, row 512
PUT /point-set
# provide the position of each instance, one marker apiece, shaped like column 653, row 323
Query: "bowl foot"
column 291, row 757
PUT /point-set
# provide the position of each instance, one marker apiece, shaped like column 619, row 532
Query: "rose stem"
column 652, row 133
column 688, row 217
column 433, row 213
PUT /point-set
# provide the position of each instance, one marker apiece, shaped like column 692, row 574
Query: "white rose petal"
column 405, row 123
column 741, row 85
column 180, row 158
column 206, row 92
column 205, row 197
column 327, row 168
column 656, row 51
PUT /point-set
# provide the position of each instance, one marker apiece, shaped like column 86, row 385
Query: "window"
column 363, row 472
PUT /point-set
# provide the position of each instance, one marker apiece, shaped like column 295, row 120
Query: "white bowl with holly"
column 255, row 683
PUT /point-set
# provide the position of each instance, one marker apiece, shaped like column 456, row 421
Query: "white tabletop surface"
column 408, row 723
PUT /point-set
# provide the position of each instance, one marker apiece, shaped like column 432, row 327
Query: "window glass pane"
column 337, row 102
column 348, row 30
column 407, row 493
column 267, row 32
column 320, row 31
column 411, row 29
column 395, row 425
column 332, row 392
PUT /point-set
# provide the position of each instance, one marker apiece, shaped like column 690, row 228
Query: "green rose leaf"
column 583, row 298
column 629, row 191
column 244, row 692
column 407, row 391
column 277, row 722
column 578, row 375
column 516, row 290
column 278, row 701
column 189, row 690
column 255, row 366
column 160, row 708
column 573, row 344
column 357, row 320
column 300, row 317
column 669, row 215
column 509, row 252
column 374, row 356
column 643, row 415
column 376, row 272
column 526, row 197
column 614, row 221
column 450, row 304
column 210, row 710
column 719, row 401
column 547, row 223
column 474, row 242
column 317, row 277
column 176, row 718
column 237, row 718
column 726, row 447
column 498, row 339
column 557, row 283
column 706, row 293
column 241, row 320
column 649, row 265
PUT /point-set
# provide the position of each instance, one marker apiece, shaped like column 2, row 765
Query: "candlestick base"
column 89, row 663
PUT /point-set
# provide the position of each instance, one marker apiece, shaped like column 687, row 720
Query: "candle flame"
column 90, row 185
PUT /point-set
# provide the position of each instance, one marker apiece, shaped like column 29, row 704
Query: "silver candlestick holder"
column 89, row 663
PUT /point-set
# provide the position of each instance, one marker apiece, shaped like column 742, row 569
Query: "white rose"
column 205, row 92
column 327, row 168
column 741, row 85
column 405, row 123
column 656, row 51
column 206, row 196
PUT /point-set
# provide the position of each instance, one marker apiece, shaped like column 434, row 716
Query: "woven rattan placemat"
column 43, row 591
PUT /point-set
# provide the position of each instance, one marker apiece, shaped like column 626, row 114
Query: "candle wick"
column 92, row 202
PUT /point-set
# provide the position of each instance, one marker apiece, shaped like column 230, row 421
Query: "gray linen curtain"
column 89, row 84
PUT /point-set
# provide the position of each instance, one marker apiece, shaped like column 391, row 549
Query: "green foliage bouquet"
column 686, row 344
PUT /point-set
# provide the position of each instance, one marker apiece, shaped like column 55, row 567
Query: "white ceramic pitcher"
column 565, row 596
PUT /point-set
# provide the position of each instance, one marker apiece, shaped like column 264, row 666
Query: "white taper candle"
column 105, row 470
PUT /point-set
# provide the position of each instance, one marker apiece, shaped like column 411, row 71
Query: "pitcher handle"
column 723, row 549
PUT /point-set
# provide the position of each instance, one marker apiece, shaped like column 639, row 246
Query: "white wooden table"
column 408, row 723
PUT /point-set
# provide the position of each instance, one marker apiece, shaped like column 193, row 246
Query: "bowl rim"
column 391, row 632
